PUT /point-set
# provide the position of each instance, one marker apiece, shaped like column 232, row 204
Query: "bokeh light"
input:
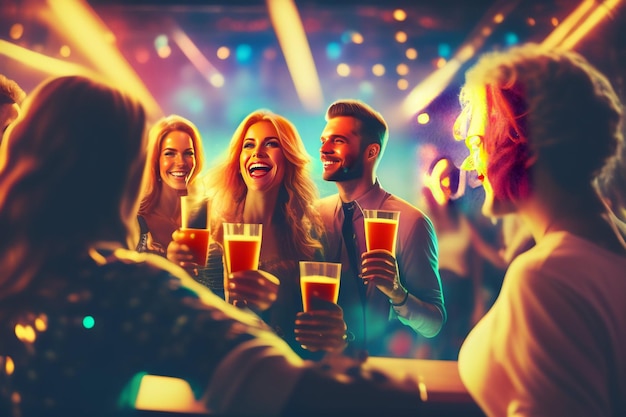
column 399, row 15
column 223, row 52
column 88, row 322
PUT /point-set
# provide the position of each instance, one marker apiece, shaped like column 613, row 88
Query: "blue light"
column 333, row 50
column 444, row 50
column 346, row 37
column 243, row 52
column 366, row 89
column 88, row 322
column 511, row 38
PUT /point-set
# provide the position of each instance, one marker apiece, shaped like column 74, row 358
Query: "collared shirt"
column 369, row 322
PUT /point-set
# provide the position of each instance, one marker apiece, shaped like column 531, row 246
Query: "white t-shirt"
column 554, row 342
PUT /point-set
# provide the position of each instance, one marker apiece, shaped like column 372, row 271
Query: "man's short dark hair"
column 374, row 128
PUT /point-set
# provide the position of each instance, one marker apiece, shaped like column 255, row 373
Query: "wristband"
column 404, row 300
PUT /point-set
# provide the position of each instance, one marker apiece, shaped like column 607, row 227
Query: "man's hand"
column 379, row 267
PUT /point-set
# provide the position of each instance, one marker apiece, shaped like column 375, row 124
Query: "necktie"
column 349, row 238
column 354, row 257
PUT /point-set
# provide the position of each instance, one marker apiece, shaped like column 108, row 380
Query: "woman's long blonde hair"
column 294, row 209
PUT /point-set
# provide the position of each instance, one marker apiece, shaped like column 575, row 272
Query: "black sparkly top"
column 73, row 340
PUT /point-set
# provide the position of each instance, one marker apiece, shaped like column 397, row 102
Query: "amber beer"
column 242, row 252
column 319, row 280
column 318, row 286
column 198, row 242
column 381, row 229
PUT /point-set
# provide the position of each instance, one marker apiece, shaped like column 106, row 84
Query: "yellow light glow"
column 164, row 51
column 41, row 323
column 343, row 70
column 357, row 38
column 49, row 65
column 411, row 53
column 399, row 15
column 78, row 22
column 25, row 333
column 217, row 80
column 592, row 21
column 428, row 89
column 423, row 118
column 466, row 53
column 9, row 365
column 223, row 52
column 378, row 70
column 401, row 36
column 576, row 26
column 403, row 84
column 297, row 52
column 570, row 23
column 16, row 31
column 65, row 51
column 168, row 394
column 402, row 69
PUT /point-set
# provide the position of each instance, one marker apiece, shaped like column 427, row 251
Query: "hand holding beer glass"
column 244, row 284
column 321, row 325
column 379, row 263
column 196, row 238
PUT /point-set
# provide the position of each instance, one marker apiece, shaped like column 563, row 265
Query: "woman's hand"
column 322, row 327
column 180, row 254
column 254, row 289
column 154, row 247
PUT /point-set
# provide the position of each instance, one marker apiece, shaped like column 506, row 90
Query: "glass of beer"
column 242, row 247
column 381, row 229
column 319, row 279
column 195, row 231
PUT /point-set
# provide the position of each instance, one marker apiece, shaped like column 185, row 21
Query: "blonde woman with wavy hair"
column 175, row 160
column 292, row 212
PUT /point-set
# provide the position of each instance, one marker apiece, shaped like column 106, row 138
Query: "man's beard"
column 348, row 173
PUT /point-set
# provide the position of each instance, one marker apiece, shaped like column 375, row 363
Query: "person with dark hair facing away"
column 540, row 125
